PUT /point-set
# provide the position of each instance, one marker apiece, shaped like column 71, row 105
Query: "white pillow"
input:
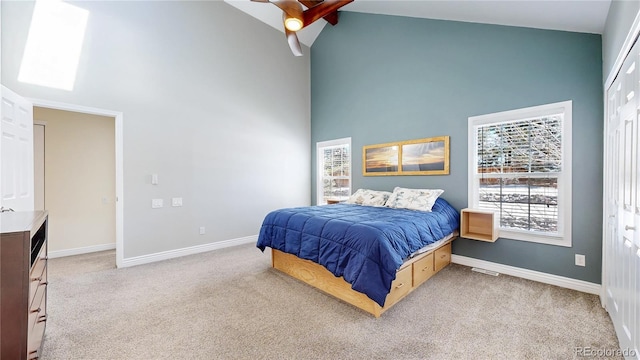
column 369, row 197
column 413, row 199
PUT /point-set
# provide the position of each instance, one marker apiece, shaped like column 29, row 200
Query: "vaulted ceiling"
column 588, row 16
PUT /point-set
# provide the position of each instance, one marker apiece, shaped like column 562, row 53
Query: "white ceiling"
column 587, row 16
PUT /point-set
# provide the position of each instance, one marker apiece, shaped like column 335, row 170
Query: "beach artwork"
column 428, row 156
column 381, row 159
column 425, row 156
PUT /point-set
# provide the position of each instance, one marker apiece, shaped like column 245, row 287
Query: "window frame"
column 320, row 160
column 563, row 236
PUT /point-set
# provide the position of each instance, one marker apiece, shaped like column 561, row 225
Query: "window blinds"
column 518, row 165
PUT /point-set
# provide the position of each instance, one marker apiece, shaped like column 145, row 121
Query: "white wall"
column 80, row 177
column 619, row 20
column 213, row 102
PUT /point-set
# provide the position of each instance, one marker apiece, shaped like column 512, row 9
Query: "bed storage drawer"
column 401, row 285
column 442, row 257
column 423, row 269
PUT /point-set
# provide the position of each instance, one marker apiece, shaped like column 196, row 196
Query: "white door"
column 622, row 205
column 16, row 152
column 612, row 201
column 38, row 166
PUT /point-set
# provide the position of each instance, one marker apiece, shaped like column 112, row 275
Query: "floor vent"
column 485, row 271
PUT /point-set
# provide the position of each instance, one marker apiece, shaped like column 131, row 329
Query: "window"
column 334, row 170
column 520, row 167
column 54, row 44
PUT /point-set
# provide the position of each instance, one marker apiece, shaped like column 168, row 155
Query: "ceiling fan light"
column 292, row 23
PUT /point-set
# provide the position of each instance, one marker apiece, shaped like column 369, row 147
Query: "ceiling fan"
column 295, row 18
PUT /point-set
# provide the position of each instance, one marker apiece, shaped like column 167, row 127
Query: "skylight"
column 54, row 44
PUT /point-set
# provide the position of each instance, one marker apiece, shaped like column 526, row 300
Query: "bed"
column 368, row 256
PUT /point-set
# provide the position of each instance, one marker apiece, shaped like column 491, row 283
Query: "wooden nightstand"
column 332, row 201
column 479, row 224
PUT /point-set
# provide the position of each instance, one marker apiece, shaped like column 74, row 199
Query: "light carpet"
column 229, row 304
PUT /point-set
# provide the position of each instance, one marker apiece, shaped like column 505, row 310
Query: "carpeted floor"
column 229, row 304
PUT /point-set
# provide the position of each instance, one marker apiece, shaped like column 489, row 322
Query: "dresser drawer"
column 35, row 338
column 423, row 269
column 442, row 257
column 38, row 274
column 37, row 322
column 401, row 285
column 37, row 309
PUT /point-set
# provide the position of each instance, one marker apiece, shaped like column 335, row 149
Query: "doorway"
column 116, row 200
column 74, row 178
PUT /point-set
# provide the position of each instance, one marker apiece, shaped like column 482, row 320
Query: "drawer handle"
column 426, row 268
column 44, row 283
column 443, row 256
column 36, row 310
column 42, row 318
column 37, row 279
column 33, row 352
column 627, row 227
column 400, row 285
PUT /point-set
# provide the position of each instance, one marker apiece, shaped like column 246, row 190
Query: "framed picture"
column 428, row 156
column 382, row 159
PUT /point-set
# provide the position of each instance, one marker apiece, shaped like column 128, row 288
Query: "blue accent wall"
column 380, row 78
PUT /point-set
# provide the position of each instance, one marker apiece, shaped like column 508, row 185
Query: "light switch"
column 176, row 201
column 156, row 203
column 154, row 179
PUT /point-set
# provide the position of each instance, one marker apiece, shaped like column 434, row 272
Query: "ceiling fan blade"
column 331, row 18
column 290, row 7
column 323, row 9
column 294, row 44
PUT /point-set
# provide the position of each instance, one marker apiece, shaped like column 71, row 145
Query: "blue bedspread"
column 365, row 245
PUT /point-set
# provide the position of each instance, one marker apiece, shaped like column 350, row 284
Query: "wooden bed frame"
column 411, row 274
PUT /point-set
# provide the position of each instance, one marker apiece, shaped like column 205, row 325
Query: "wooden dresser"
column 23, row 283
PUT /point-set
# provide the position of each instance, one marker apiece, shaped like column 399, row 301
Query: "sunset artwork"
column 381, row 159
column 428, row 156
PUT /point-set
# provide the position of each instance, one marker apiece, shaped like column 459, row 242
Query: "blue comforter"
column 365, row 245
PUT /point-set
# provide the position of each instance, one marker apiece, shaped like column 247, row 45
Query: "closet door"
column 622, row 205
column 634, row 249
column 630, row 226
column 613, row 273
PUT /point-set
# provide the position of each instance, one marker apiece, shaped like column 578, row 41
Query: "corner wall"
column 381, row 78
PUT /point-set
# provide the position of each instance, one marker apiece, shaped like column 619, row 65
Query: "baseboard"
column 556, row 280
column 166, row 255
column 81, row 250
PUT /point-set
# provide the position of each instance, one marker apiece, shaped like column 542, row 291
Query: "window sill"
column 536, row 238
